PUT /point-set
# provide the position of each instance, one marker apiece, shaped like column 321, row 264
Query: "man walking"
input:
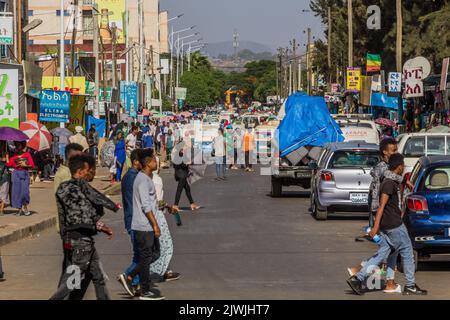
column 248, row 147
column 80, row 208
column 145, row 226
column 393, row 233
column 127, row 201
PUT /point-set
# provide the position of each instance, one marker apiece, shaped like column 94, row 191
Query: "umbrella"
column 62, row 132
column 11, row 134
column 40, row 137
column 385, row 122
column 186, row 114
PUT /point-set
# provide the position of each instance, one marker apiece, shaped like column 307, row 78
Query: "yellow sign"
column 354, row 79
column 75, row 85
column 111, row 12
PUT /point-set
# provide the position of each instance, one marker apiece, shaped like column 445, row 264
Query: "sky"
column 269, row 22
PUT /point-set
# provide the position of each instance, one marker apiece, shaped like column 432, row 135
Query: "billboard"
column 75, row 85
column 354, row 79
column 54, row 106
column 6, row 30
column 111, row 12
column 9, row 98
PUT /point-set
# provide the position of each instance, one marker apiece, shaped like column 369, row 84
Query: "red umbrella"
column 385, row 122
column 40, row 137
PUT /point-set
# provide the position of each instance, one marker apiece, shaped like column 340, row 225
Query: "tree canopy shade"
column 425, row 33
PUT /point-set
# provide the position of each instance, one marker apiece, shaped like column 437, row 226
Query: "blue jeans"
column 401, row 241
column 393, row 242
column 220, row 167
column 135, row 260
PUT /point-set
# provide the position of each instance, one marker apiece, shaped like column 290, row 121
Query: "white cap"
column 78, row 129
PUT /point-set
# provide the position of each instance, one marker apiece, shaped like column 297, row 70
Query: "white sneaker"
column 398, row 289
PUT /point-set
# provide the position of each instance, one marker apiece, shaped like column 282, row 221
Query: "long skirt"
column 20, row 189
column 161, row 265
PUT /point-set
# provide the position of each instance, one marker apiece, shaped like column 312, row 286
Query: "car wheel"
column 277, row 188
column 320, row 215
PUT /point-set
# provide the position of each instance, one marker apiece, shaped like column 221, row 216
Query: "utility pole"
column 152, row 68
column 141, row 40
column 97, row 71
column 74, row 37
column 399, row 35
column 127, row 44
column 61, row 54
column 329, row 47
column 105, row 85
column 290, row 78
column 19, row 32
column 114, row 55
column 350, row 32
column 280, row 72
column 294, row 67
column 308, row 62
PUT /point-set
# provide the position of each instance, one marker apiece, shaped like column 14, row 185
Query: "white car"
column 413, row 146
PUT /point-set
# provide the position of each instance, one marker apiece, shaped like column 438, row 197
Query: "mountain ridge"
column 226, row 48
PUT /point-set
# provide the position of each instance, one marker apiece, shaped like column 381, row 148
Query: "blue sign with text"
column 55, row 106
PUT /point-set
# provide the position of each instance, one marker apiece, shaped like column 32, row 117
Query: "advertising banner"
column 131, row 99
column 6, row 30
column 111, row 12
column 354, row 79
column 395, row 82
column 77, row 113
column 413, row 82
column 54, row 106
column 74, row 85
column 9, row 98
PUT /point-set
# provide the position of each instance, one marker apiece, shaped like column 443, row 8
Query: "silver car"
column 341, row 178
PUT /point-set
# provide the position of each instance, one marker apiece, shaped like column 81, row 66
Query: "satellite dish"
column 419, row 62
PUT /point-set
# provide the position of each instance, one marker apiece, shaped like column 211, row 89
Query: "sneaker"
column 137, row 290
column 414, row 290
column 356, row 285
column 397, row 289
column 151, row 296
column 26, row 213
column 2, row 277
column 352, row 271
column 126, row 284
column 171, row 276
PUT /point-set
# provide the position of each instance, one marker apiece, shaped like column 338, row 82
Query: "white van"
column 413, row 146
column 362, row 130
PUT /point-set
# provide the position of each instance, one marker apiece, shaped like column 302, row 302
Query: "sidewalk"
column 43, row 206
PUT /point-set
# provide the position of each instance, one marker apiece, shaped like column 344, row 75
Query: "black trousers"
column 247, row 160
column 82, row 263
column 183, row 184
column 145, row 241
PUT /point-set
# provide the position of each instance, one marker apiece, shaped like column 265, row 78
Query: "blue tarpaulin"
column 100, row 125
column 384, row 101
column 307, row 123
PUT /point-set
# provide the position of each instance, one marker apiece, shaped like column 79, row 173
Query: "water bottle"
column 178, row 219
column 375, row 239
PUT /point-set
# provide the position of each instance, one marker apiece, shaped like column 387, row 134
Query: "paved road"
column 242, row 245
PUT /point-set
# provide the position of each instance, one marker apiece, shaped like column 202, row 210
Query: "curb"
column 27, row 231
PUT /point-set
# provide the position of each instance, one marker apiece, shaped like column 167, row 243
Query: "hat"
column 79, row 129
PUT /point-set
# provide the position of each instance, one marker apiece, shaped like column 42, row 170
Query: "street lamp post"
column 179, row 52
column 61, row 56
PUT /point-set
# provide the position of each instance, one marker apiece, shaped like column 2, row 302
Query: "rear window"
column 354, row 159
column 415, row 147
column 437, row 179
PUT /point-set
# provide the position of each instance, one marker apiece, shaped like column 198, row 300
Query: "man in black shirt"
column 394, row 237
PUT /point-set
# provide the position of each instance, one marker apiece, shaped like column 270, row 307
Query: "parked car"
column 415, row 145
column 341, row 178
column 427, row 207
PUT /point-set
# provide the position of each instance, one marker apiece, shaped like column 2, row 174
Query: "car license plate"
column 359, row 198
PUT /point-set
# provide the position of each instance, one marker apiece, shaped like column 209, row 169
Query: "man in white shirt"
column 131, row 139
column 219, row 153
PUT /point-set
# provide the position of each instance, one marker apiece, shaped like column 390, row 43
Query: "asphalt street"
column 242, row 244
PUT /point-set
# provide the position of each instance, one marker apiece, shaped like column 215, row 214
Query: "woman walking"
column 120, row 155
column 4, row 181
column 181, row 176
column 160, row 267
column 20, row 191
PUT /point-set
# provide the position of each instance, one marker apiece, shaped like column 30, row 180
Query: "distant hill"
column 226, row 48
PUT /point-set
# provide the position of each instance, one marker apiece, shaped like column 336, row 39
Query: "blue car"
column 427, row 207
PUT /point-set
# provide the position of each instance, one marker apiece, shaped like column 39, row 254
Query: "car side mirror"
column 313, row 165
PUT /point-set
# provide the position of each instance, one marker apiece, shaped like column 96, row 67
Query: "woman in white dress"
column 161, row 266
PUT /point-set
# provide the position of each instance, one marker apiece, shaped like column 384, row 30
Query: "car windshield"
column 354, row 159
column 437, row 179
